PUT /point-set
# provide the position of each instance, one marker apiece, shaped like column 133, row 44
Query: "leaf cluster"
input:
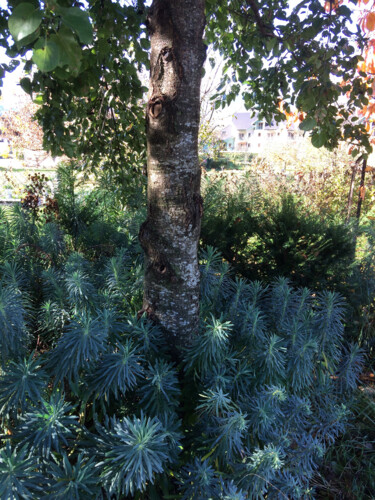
column 86, row 79
column 296, row 55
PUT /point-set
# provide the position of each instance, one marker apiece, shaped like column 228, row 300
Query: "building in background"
column 247, row 133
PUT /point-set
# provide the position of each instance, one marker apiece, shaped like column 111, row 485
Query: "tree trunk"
column 170, row 234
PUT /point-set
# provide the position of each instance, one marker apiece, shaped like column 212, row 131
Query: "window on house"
column 259, row 134
column 260, row 126
column 241, row 136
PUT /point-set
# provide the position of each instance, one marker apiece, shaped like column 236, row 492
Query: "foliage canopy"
column 88, row 57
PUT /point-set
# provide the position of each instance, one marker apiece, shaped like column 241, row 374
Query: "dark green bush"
column 264, row 238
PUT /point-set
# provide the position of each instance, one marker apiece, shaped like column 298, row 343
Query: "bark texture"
column 170, row 234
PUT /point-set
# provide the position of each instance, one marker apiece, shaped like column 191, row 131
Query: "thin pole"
column 361, row 195
column 351, row 191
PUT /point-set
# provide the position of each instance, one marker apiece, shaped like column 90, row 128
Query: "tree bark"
column 170, row 234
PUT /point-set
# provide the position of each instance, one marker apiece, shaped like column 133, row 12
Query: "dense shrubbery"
column 93, row 406
column 265, row 237
column 348, row 471
column 321, row 177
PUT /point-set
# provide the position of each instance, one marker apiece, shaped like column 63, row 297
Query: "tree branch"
column 264, row 29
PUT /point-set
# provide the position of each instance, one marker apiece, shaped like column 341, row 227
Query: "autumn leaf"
column 332, row 5
column 370, row 21
column 370, row 109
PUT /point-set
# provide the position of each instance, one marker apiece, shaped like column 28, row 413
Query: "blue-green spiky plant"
column 19, row 475
column 21, row 385
column 73, row 481
column 117, row 372
column 133, row 451
column 49, row 427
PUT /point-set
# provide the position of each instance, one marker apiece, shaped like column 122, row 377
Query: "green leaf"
column 343, row 10
column 26, row 85
column 145, row 43
column 47, row 58
column 318, row 139
column 24, row 20
column 69, row 148
column 38, row 99
column 270, row 43
column 78, row 21
column 308, row 124
column 62, row 74
column 28, row 39
column 69, row 50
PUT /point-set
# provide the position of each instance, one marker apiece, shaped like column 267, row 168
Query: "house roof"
column 243, row 121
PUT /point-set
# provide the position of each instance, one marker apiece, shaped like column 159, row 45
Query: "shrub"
column 320, row 176
column 264, row 238
column 348, row 468
column 99, row 408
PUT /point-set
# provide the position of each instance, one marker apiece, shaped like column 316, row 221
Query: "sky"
column 10, row 89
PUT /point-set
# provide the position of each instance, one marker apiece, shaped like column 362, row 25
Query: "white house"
column 249, row 134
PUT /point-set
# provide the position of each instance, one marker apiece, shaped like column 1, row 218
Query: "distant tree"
column 21, row 127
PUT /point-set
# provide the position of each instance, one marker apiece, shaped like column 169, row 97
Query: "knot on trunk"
column 160, row 119
column 154, row 248
column 155, row 106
